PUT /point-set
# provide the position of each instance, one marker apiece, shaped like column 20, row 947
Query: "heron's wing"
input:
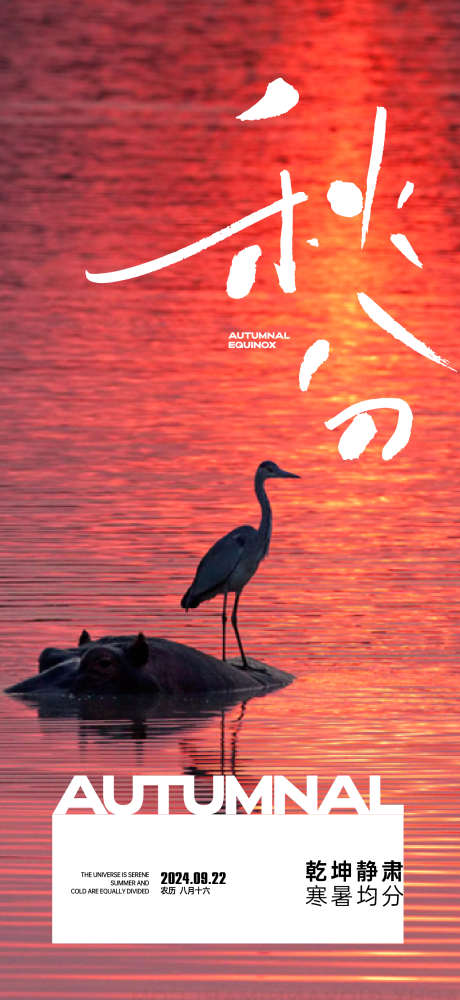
column 218, row 564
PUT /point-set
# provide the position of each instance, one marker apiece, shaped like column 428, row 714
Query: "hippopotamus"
column 136, row 665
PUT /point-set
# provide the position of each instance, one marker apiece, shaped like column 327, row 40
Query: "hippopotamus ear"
column 138, row 652
column 84, row 638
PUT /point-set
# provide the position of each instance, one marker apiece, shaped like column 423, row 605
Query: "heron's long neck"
column 265, row 527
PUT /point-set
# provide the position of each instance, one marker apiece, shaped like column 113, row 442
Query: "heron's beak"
column 287, row 475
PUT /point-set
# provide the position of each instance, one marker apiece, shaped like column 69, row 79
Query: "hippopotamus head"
column 108, row 666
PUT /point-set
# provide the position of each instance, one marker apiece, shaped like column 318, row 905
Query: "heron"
column 233, row 559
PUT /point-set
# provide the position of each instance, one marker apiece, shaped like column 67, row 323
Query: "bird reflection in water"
column 141, row 723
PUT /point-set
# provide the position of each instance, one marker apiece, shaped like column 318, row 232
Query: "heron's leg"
column 224, row 622
column 235, row 626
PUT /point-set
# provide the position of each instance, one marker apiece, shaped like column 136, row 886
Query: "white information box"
column 227, row 879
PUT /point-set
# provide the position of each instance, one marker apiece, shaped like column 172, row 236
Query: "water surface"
column 130, row 435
